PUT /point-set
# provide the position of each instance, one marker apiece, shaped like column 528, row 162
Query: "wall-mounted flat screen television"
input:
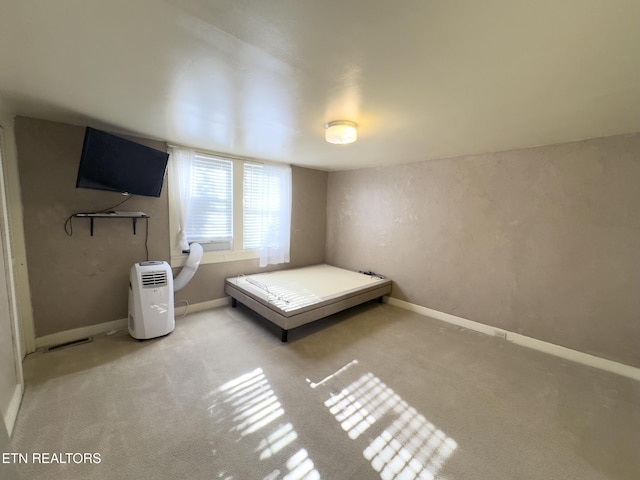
column 113, row 163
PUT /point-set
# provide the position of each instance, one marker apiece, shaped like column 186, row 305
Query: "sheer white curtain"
column 181, row 162
column 275, row 222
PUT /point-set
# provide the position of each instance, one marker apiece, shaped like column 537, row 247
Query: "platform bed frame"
column 295, row 297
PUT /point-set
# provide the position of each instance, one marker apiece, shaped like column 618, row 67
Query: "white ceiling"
column 423, row 79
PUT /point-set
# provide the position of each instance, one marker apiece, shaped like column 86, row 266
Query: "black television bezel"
column 85, row 181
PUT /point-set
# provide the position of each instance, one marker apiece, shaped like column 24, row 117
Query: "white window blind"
column 252, row 215
column 262, row 209
column 210, row 218
column 267, row 211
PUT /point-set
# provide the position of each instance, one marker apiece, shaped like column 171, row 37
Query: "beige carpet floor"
column 374, row 392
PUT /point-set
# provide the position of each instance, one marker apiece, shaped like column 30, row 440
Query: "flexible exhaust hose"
column 189, row 269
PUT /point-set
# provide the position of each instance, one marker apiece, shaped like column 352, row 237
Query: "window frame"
column 211, row 186
column 178, row 258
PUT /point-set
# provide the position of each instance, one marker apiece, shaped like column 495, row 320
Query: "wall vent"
column 73, row 343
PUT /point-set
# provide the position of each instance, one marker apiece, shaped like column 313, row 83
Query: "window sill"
column 216, row 257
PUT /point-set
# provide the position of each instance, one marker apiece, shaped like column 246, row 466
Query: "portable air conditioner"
column 151, row 300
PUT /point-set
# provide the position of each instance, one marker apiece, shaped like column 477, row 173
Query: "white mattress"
column 291, row 290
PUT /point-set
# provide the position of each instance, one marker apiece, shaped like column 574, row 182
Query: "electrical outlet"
column 500, row 334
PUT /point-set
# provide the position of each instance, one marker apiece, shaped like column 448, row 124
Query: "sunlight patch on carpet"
column 247, row 410
column 405, row 445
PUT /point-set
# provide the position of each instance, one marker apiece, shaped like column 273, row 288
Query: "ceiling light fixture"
column 341, row 132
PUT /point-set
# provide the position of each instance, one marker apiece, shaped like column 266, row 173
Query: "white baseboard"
column 84, row 332
column 79, row 333
column 12, row 411
column 542, row 346
column 199, row 307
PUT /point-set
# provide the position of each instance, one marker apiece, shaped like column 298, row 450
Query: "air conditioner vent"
column 154, row 279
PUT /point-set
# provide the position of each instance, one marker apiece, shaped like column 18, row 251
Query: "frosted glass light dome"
column 341, row 132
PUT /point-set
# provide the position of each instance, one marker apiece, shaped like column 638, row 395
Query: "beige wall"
column 77, row 280
column 82, row 280
column 542, row 241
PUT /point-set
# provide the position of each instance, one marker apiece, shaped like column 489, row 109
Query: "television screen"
column 112, row 163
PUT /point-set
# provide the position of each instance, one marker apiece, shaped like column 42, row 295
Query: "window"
column 210, row 218
column 267, row 211
column 236, row 209
column 252, row 211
